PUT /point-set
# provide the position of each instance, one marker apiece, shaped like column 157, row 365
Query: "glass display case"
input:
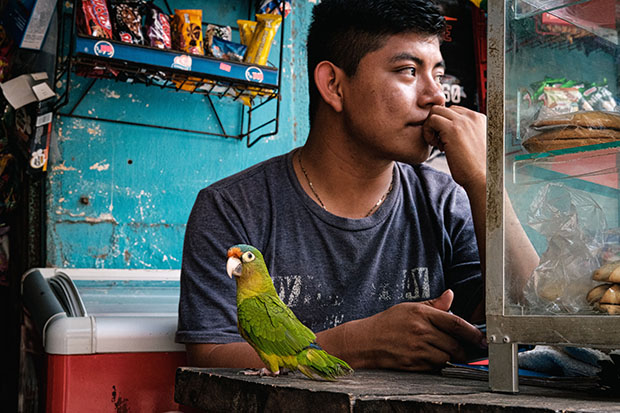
column 552, row 160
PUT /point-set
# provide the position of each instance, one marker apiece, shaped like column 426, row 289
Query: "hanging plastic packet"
column 274, row 7
column 246, row 31
column 157, row 26
column 127, row 21
column 599, row 97
column 223, row 49
column 187, row 31
column 266, row 28
column 95, row 19
column 213, row 30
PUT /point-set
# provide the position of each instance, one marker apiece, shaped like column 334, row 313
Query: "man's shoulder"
column 254, row 176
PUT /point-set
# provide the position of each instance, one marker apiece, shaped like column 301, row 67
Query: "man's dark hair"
column 343, row 31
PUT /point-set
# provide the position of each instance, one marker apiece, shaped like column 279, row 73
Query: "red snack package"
column 96, row 19
column 157, row 27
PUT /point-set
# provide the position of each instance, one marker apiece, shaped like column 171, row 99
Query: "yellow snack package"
column 187, row 31
column 266, row 28
column 246, row 30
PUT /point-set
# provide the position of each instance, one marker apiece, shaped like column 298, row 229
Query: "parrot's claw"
column 264, row 372
column 259, row 372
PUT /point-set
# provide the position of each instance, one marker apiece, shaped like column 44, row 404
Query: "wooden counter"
column 225, row 390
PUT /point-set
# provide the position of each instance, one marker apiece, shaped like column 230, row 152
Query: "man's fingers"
column 457, row 327
column 449, row 346
column 443, row 302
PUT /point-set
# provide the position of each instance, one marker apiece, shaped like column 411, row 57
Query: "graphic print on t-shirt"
column 417, row 286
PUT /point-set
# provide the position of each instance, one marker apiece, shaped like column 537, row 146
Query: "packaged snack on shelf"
column 274, row 7
column 571, row 130
column 600, row 98
column 223, row 49
column 187, row 31
column 266, row 28
column 157, row 26
column 127, row 21
column 94, row 19
column 223, row 32
column 246, row 31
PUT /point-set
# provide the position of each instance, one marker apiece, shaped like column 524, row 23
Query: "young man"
column 374, row 251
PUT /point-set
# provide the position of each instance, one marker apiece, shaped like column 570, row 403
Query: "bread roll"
column 572, row 137
column 610, row 308
column 589, row 119
column 612, row 295
column 595, row 294
column 609, row 272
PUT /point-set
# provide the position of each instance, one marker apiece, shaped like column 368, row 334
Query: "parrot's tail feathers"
column 314, row 361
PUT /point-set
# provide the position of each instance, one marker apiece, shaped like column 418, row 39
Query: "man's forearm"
column 235, row 355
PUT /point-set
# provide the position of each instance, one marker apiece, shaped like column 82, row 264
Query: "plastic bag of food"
column 127, row 21
column 246, row 31
column 571, row 130
column 213, row 30
column 95, row 19
column 187, row 31
column 260, row 45
column 274, row 7
column 157, row 25
column 574, row 226
column 223, row 49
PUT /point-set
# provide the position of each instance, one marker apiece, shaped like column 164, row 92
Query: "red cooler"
column 108, row 338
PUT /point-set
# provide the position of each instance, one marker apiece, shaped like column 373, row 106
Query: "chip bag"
column 95, row 19
column 214, row 30
column 246, row 31
column 157, row 25
column 260, row 45
column 187, row 31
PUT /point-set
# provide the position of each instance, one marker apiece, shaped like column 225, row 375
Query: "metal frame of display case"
column 207, row 76
column 504, row 331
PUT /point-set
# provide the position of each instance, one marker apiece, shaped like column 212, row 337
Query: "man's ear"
column 328, row 79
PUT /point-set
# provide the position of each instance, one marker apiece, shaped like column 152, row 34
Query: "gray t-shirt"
column 327, row 269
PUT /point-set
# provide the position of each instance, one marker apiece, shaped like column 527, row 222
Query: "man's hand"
column 411, row 336
column 461, row 134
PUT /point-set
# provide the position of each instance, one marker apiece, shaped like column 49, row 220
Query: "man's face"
column 390, row 96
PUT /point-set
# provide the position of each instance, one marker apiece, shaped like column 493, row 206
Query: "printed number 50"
column 452, row 93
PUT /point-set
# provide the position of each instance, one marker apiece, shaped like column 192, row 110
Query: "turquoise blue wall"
column 141, row 182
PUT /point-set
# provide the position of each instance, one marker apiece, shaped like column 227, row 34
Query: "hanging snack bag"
column 266, row 28
column 95, row 19
column 157, row 27
column 213, row 30
column 246, row 30
column 187, row 31
column 128, row 21
column 274, row 7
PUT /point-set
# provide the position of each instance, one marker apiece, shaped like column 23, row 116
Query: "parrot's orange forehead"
column 234, row 252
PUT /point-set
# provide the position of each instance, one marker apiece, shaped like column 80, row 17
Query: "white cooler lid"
column 108, row 310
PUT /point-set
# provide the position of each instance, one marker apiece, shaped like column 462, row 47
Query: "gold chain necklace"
column 318, row 198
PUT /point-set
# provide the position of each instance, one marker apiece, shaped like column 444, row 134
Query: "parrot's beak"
column 233, row 267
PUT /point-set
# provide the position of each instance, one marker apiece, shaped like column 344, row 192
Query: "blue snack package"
column 227, row 50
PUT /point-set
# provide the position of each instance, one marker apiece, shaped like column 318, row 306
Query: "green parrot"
column 271, row 328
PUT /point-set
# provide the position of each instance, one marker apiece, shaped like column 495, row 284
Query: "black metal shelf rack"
column 105, row 59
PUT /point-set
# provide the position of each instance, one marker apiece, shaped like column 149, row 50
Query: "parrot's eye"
column 248, row 256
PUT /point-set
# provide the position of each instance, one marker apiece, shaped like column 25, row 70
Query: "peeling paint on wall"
column 100, row 167
column 110, row 94
column 62, row 167
column 119, row 196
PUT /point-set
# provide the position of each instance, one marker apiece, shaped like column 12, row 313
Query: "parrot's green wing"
column 270, row 326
